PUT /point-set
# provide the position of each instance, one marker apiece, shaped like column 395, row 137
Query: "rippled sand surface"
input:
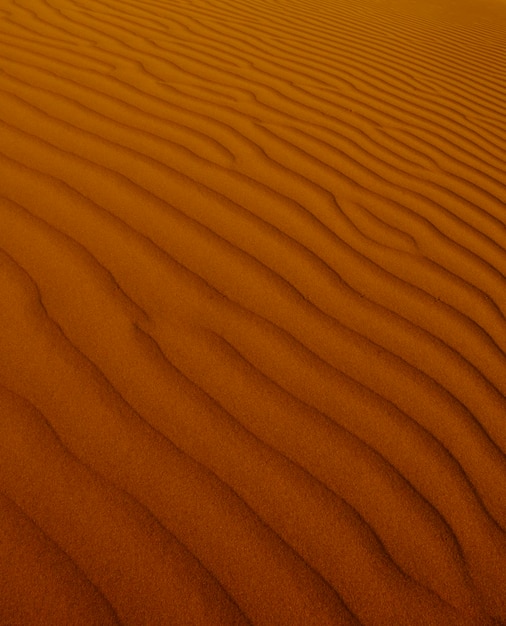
column 252, row 312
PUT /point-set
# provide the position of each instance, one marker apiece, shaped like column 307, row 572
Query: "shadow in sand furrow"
column 252, row 321
column 129, row 119
column 243, row 42
column 180, row 49
column 451, row 193
column 375, row 426
column 307, row 370
column 116, row 134
column 28, row 22
column 475, row 112
column 353, row 32
column 382, row 110
column 112, row 317
column 274, row 490
column 424, row 30
column 109, row 200
column 127, row 42
column 410, row 600
column 171, row 226
column 448, row 156
column 334, row 343
column 140, row 143
column 454, row 169
column 280, row 50
column 207, row 374
column 313, row 446
column 269, row 581
column 440, row 244
column 16, row 218
column 322, row 61
column 257, row 343
column 39, row 582
column 104, row 530
column 317, row 160
column 160, row 149
column 369, row 40
column 110, row 337
column 75, row 61
column 283, row 295
column 374, row 76
column 135, row 170
column 486, row 124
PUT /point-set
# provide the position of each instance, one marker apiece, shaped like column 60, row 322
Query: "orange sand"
column 252, row 319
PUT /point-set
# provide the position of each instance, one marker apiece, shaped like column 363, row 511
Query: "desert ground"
column 252, row 312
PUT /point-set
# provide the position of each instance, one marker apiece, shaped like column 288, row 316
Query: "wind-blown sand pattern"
column 252, row 332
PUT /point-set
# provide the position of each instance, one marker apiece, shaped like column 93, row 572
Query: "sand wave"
column 253, row 267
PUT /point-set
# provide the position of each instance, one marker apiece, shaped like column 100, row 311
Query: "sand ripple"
column 252, row 332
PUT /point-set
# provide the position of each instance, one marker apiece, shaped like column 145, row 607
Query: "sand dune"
column 252, row 321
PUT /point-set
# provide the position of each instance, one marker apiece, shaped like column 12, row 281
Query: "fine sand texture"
column 252, row 312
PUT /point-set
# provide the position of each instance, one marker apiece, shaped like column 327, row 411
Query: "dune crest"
column 252, row 332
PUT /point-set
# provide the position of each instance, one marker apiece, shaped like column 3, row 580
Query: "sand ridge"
column 252, row 321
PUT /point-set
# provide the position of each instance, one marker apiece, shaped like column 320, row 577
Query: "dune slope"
column 252, row 320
